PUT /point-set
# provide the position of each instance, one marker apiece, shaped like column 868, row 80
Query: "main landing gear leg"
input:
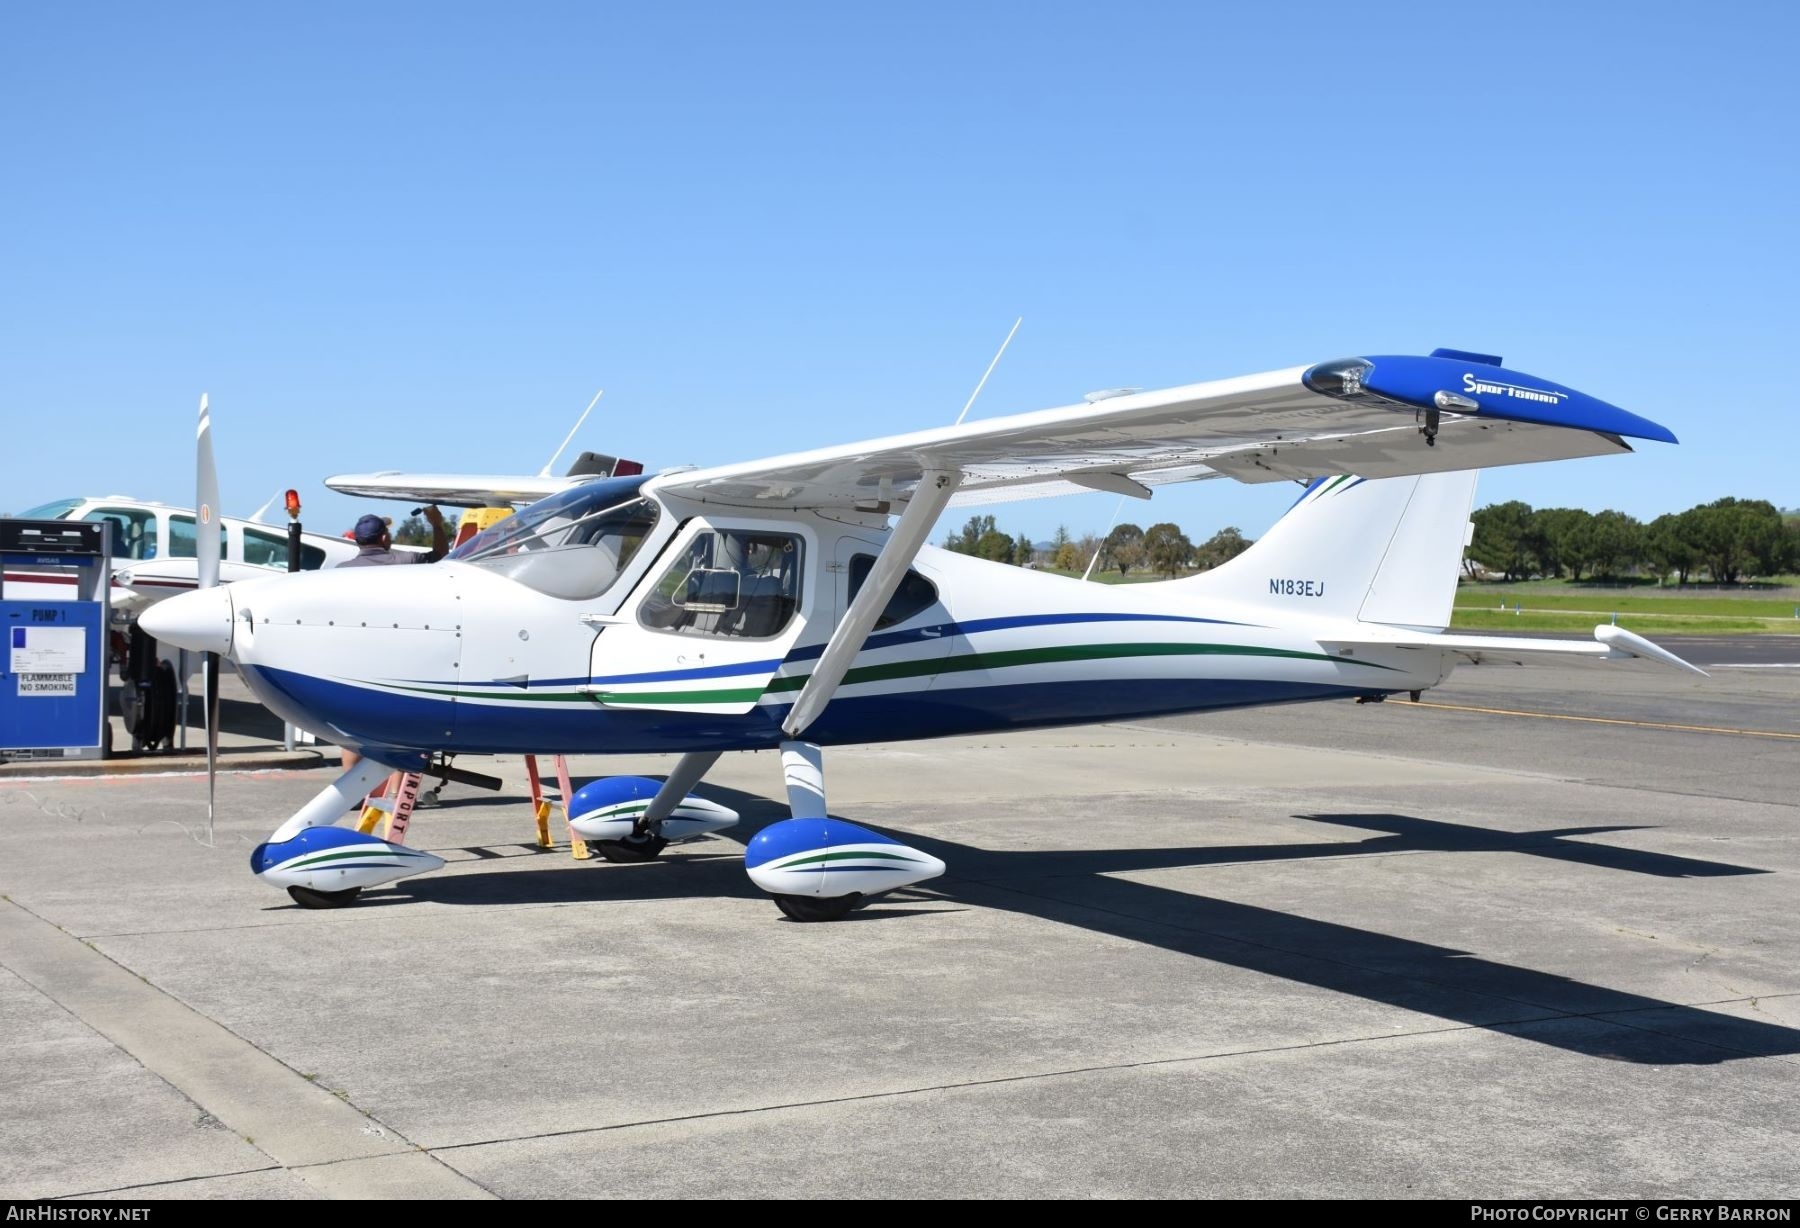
column 819, row 868
column 803, row 770
column 333, row 800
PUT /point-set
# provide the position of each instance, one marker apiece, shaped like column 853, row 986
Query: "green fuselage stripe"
column 916, row 668
column 1046, row 656
column 322, row 858
column 818, row 858
column 741, row 695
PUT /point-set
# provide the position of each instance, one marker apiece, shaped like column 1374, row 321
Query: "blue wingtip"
column 1501, row 393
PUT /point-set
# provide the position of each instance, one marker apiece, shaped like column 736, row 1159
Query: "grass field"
column 1762, row 586
column 1628, row 602
column 1464, row 619
column 1561, row 606
column 1557, row 605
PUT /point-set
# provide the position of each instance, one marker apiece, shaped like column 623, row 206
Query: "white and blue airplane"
column 793, row 604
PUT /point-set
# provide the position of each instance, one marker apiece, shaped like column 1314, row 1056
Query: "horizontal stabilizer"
column 1625, row 641
column 1609, row 644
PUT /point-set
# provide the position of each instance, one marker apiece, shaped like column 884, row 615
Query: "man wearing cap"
column 376, row 547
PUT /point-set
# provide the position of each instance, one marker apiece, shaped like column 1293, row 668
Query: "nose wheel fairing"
column 330, row 860
column 325, row 866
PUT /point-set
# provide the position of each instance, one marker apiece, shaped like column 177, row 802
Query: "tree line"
column 1163, row 549
column 1728, row 539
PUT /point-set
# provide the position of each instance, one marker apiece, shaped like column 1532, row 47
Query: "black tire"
column 158, row 724
column 630, row 851
column 306, row 897
column 812, row 908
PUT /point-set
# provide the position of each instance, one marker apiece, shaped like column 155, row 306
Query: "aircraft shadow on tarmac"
column 1078, row 888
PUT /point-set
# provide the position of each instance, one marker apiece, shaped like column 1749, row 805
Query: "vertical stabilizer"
column 1382, row 551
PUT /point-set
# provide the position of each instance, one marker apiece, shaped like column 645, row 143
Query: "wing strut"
column 929, row 499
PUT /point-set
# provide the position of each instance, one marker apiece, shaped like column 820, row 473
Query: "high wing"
column 451, row 489
column 1371, row 417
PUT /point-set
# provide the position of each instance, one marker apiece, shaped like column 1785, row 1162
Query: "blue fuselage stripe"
column 376, row 718
column 891, row 639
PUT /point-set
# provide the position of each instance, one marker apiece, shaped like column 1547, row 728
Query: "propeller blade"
column 211, row 667
column 207, row 546
column 206, row 501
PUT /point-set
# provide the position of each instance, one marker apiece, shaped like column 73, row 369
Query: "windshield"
column 52, row 511
column 572, row 545
column 540, row 525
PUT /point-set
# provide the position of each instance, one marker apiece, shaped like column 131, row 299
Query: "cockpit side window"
column 265, row 549
column 915, row 595
column 134, row 532
column 184, row 538
column 729, row 582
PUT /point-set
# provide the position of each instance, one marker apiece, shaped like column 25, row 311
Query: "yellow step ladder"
column 540, row 806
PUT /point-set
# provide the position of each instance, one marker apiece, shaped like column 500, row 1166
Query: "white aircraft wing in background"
column 452, row 489
column 512, row 490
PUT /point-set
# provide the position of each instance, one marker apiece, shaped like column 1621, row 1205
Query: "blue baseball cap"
column 369, row 530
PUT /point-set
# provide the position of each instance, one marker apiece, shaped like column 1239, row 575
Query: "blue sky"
column 420, row 236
